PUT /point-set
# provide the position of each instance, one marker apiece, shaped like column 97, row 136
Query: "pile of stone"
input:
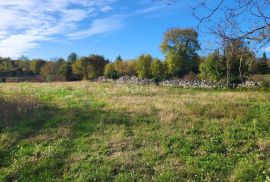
column 179, row 83
column 104, row 79
column 135, row 80
column 250, row 84
column 190, row 84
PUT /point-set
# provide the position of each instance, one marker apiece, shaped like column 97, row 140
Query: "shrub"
column 256, row 77
column 190, row 77
column 143, row 66
column 212, row 68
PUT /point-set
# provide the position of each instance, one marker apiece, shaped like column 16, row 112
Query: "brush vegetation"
column 108, row 132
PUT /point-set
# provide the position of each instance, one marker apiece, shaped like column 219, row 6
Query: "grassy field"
column 107, row 132
column 267, row 77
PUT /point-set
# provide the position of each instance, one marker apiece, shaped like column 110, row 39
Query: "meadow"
column 88, row 131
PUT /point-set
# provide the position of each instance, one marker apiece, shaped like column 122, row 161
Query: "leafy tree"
column 36, row 64
column 119, row 58
column 157, row 70
column 108, row 69
column 54, row 71
column 180, row 47
column 72, row 57
column 119, row 66
column 212, row 68
column 48, row 71
column 110, row 72
column 143, row 66
column 90, row 67
column 262, row 65
column 82, row 67
column 98, row 63
column 130, row 68
column 240, row 61
column 23, row 58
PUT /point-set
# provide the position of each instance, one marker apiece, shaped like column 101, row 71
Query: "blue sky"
column 54, row 28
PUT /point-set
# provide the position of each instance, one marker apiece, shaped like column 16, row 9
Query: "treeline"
column 233, row 63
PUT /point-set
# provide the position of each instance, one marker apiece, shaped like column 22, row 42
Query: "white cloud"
column 25, row 23
column 106, row 9
column 267, row 49
column 100, row 26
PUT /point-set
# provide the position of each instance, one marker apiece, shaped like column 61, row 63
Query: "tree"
column 90, row 67
column 130, row 68
column 110, row 72
column 262, row 65
column 240, row 61
column 54, row 71
column 36, row 64
column 23, row 58
column 248, row 20
column 82, row 67
column 119, row 66
column 48, row 71
column 119, row 58
column 72, row 57
column 143, row 66
column 180, row 47
column 212, row 68
column 157, row 70
column 98, row 63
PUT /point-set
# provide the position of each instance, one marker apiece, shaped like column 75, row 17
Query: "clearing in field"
column 108, row 132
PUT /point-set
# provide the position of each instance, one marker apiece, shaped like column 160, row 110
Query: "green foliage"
column 212, row 68
column 110, row 71
column 72, row 57
column 119, row 66
column 180, row 47
column 144, row 66
column 263, row 65
column 240, row 61
column 54, row 71
column 36, row 64
column 90, row 67
column 130, row 68
column 118, row 58
column 157, row 68
column 23, row 58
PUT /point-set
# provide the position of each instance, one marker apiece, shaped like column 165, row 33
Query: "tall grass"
column 108, row 132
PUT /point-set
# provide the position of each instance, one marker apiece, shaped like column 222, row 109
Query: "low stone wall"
column 179, row 83
column 190, row 84
column 250, row 84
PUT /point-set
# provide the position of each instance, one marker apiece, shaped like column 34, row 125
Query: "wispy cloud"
column 25, row 24
column 267, row 49
column 100, row 26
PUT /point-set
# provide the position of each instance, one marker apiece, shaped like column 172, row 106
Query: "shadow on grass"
column 36, row 139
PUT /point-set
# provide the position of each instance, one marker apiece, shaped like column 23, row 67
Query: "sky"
column 54, row 28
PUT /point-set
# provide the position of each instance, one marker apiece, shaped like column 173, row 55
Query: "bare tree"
column 234, row 23
column 247, row 20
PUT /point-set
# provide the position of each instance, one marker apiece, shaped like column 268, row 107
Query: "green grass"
column 108, row 132
column 266, row 77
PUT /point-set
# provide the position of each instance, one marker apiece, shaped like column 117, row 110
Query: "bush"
column 212, row 68
column 265, row 84
column 144, row 66
column 3, row 80
column 190, row 77
column 257, row 78
column 113, row 75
